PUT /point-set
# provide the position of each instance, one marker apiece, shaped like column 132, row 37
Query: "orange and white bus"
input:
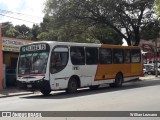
column 48, row 66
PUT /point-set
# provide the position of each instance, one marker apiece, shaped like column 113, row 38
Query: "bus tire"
column 45, row 92
column 118, row 81
column 94, row 87
column 72, row 85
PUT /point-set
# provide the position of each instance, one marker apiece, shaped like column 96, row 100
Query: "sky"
column 28, row 10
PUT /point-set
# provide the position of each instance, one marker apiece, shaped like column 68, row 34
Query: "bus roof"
column 67, row 43
column 53, row 43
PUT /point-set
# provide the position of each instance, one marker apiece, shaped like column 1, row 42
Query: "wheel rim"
column 72, row 86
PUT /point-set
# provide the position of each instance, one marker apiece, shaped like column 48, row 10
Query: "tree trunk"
column 137, row 37
column 128, row 42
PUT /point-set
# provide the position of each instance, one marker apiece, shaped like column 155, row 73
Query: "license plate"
column 29, row 86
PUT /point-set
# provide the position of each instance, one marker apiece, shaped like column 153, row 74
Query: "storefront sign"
column 13, row 45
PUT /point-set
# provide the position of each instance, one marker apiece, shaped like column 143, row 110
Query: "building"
column 148, row 47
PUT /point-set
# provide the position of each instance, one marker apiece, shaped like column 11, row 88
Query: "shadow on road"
column 104, row 89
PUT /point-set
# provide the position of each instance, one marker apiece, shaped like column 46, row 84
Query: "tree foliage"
column 158, row 7
column 77, row 30
column 151, row 31
column 20, row 31
column 131, row 15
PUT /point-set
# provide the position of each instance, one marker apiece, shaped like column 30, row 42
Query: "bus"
column 48, row 66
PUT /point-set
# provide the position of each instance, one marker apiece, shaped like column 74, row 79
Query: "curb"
column 149, row 78
column 12, row 95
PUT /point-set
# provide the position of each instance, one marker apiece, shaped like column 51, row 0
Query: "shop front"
column 10, row 53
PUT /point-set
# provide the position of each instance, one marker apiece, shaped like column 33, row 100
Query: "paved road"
column 134, row 96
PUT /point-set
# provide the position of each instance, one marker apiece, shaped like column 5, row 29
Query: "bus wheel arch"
column 118, row 80
column 73, row 84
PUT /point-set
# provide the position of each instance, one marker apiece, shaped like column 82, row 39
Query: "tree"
column 151, row 31
column 36, row 30
column 77, row 32
column 22, row 31
column 10, row 32
column 106, row 35
column 131, row 15
column 5, row 27
column 158, row 7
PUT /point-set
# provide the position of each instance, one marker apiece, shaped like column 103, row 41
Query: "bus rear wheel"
column 72, row 86
column 118, row 81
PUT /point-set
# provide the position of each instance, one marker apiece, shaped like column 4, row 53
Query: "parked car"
column 153, row 71
column 148, row 68
column 144, row 72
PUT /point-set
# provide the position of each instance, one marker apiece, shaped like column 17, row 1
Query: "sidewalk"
column 150, row 77
column 13, row 91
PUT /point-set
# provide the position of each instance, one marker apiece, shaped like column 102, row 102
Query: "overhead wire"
column 17, row 18
column 20, row 16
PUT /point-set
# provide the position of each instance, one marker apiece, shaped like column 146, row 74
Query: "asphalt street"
column 133, row 96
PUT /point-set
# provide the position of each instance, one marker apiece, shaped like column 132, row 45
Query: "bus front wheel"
column 118, row 81
column 72, row 86
column 45, row 92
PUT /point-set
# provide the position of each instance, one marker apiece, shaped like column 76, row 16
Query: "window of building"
column 135, row 56
column 117, row 56
column 105, row 56
column 77, row 55
column 91, row 56
column 59, row 59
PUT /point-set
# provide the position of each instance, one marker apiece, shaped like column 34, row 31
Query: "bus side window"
column 127, row 56
column 117, row 56
column 135, row 56
column 105, row 56
column 59, row 60
column 77, row 55
column 91, row 56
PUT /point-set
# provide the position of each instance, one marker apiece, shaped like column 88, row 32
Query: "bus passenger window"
column 117, row 56
column 105, row 56
column 136, row 56
column 127, row 56
column 59, row 60
column 77, row 55
column 91, row 56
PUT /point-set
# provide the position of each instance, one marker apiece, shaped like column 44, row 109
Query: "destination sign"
column 34, row 47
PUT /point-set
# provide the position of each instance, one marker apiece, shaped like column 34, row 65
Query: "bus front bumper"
column 33, row 85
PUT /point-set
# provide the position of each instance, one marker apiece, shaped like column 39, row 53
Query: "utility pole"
column 156, row 57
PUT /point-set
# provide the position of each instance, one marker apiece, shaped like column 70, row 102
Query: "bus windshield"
column 33, row 63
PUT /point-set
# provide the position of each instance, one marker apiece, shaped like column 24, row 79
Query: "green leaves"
column 79, row 16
